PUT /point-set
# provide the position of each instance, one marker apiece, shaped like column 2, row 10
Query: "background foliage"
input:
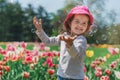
column 16, row 22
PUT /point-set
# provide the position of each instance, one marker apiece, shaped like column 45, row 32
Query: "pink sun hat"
column 79, row 10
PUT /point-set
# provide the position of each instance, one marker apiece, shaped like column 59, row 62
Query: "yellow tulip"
column 89, row 53
column 108, row 56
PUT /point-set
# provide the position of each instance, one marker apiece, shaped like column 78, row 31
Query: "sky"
column 49, row 5
column 54, row 5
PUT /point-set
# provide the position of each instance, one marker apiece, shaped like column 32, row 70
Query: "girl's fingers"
column 35, row 22
column 68, row 38
column 74, row 37
column 61, row 37
column 64, row 38
column 40, row 21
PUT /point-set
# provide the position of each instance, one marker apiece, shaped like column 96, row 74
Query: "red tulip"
column 108, row 72
column 3, row 52
column 7, row 68
column 51, row 71
column 1, row 67
column 26, row 74
column 85, row 70
column 1, row 73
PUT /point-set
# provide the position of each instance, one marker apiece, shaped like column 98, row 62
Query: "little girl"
column 72, row 42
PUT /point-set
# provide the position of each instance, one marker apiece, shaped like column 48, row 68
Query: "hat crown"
column 80, row 8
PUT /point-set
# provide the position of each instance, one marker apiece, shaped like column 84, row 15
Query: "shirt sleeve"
column 49, row 41
column 78, row 48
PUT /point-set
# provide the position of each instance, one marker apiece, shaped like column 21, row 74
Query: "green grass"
column 3, row 46
column 54, row 48
column 98, row 52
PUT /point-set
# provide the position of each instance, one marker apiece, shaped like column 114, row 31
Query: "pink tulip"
column 28, row 59
column 4, row 52
column 10, row 48
column 16, row 44
column 15, row 58
column 28, row 53
column 98, row 73
column 34, row 53
column 23, row 44
column 104, row 78
column 93, row 65
column 113, row 64
column 86, row 78
column 98, row 69
column 113, row 51
column 42, row 46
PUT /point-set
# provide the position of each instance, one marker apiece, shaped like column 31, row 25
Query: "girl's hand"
column 37, row 24
column 69, row 40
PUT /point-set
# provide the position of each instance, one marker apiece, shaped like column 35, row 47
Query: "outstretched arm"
column 50, row 41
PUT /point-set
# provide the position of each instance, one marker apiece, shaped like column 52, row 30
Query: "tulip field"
column 35, row 61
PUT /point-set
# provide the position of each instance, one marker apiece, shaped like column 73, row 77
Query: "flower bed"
column 35, row 61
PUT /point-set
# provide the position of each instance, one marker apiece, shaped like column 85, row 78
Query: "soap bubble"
column 104, row 37
column 93, row 30
column 33, row 30
column 97, row 42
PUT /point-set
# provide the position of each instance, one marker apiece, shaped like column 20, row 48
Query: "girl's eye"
column 76, row 21
column 84, row 23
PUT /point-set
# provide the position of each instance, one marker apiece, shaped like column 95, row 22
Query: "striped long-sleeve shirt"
column 71, row 62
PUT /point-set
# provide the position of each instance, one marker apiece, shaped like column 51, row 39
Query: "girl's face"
column 79, row 24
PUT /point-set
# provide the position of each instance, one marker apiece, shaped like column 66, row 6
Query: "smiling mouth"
column 79, row 29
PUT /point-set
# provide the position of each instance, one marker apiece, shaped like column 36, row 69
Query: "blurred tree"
column 113, row 34
column 46, row 18
column 28, row 28
column 16, row 23
column 2, row 19
column 11, row 18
